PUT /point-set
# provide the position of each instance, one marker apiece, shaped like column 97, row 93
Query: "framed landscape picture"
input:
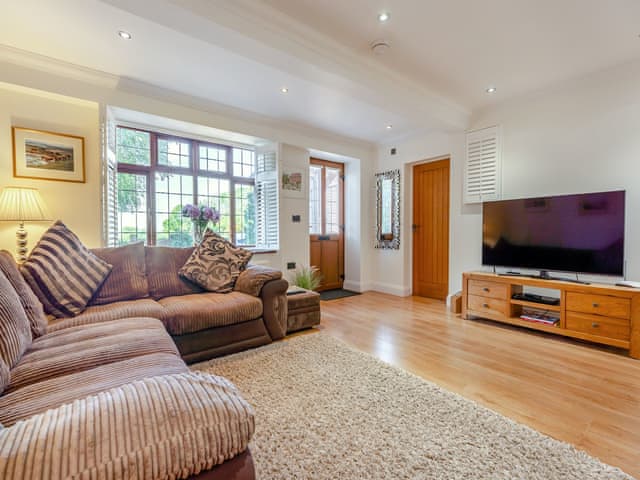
column 292, row 179
column 47, row 155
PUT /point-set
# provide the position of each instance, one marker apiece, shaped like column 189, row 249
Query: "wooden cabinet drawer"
column 596, row 325
column 599, row 305
column 488, row 307
column 484, row 288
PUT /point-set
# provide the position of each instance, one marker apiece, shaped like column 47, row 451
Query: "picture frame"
column 292, row 181
column 46, row 155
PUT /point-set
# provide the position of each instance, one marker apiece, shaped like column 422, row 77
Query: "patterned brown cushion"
column 216, row 263
column 163, row 264
column 254, row 277
column 128, row 277
column 32, row 306
column 63, row 273
column 15, row 333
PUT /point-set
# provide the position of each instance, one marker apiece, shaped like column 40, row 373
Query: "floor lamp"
column 21, row 204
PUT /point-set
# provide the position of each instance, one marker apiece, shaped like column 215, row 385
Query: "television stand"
column 605, row 314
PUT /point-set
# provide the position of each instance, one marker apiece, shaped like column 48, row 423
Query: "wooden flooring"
column 583, row 394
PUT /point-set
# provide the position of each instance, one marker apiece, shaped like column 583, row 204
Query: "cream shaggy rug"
column 326, row 411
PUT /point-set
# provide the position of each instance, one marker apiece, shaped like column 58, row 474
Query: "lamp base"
column 21, row 242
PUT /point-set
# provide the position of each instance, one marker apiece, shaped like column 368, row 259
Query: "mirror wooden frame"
column 388, row 240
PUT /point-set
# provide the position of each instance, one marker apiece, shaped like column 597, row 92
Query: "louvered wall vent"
column 483, row 166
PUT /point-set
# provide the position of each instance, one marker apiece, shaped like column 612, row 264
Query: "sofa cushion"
column 53, row 392
column 15, row 333
column 192, row 313
column 163, row 264
column 128, row 277
column 216, row 263
column 32, row 306
column 63, row 273
column 145, row 307
column 88, row 346
column 166, row 427
column 5, row 376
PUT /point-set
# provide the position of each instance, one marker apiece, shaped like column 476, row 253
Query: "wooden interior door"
column 326, row 221
column 431, row 229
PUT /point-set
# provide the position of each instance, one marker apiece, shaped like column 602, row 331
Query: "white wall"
column 582, row 136
column 76, row 204
column 393, row 271
column 294, row 237
column 577, row 137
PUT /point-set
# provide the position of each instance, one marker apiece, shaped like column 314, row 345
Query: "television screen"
column 572, row 233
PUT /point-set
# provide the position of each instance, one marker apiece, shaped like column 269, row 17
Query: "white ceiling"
column 241, row 52
column 460, row 47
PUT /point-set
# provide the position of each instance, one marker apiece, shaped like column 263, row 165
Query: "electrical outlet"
column 291, row 265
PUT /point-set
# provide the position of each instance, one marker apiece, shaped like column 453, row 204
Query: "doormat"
column 336, row 294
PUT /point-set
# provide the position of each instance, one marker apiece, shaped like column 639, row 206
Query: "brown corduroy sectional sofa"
column 107, row 394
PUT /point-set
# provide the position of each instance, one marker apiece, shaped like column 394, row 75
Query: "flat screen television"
column 571, row 233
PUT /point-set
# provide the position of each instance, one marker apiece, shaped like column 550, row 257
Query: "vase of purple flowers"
column 201, row 216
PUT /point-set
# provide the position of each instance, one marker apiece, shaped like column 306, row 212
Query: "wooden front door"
column 431, row 229
column 326, row 221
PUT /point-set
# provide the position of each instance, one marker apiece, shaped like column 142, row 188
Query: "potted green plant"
column 308, row 278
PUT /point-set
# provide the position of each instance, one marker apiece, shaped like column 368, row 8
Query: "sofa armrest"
column 253, row 278
column 161, row 427
column 274, row 307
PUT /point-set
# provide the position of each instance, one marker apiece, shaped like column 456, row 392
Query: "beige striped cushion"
column 62, row 272
column 166, row 427
column 128, row 277
column 15, row 333
column 32, row 306
column 38, row 397
column 105, row 313
column 192, row 313
column 78, row 351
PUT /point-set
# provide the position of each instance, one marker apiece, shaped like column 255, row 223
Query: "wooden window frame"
column 194, row 170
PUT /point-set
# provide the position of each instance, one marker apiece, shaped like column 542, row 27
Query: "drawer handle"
column 485, row 305
column 486, row 289
column 595, row 324
column 596, row 305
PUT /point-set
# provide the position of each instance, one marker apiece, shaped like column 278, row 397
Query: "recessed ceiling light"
column 284, row 90
column 389, row 127
column 383, row 17
column 124, row 35
column 491, row 90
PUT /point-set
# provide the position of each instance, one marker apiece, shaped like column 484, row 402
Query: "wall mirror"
column 388, row 209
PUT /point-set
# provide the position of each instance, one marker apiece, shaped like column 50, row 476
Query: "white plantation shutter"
column 109, row 179
column 482, row 176
column 266, row 188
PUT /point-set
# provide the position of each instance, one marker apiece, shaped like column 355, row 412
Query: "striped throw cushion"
column 63, row 273
column 15, row 334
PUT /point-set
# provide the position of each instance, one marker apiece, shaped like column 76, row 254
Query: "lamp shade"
column 21, row 205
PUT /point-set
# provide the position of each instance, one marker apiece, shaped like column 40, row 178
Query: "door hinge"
column 342, row 276
column 342, row 177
